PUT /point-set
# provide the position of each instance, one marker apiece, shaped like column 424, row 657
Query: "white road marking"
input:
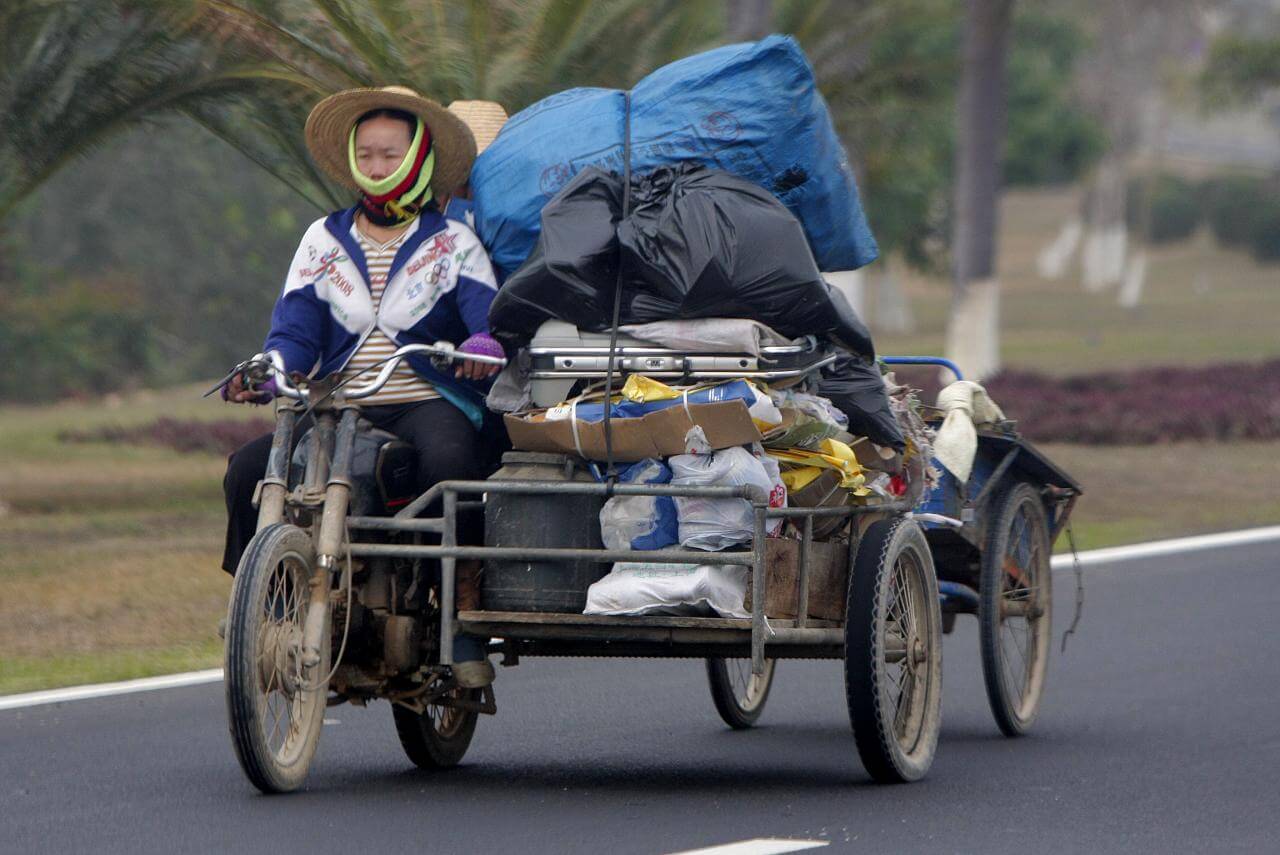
column 1157, row 548
column 1154, row 549
column 102, row 690
column 758, row 846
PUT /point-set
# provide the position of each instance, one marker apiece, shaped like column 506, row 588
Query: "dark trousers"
column 449, row 449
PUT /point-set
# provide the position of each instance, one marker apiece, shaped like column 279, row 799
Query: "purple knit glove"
column 482, row 344
column 266, row 392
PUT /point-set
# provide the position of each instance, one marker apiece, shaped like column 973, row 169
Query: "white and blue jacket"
column 439, row 288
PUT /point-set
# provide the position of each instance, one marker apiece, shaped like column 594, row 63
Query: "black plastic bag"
column 698, row 243
column 573, row 270
column 857, row 389
column 703, row 243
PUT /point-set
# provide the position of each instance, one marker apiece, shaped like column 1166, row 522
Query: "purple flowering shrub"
column 216, row 437
column 1137, row 407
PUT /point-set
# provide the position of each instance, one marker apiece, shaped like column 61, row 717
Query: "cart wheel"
column 1014, row 614
column 439, row 737
column 893, row 652
column 274, row 716
column 738, row 694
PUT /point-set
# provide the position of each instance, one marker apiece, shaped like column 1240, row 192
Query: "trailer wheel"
column 893, row 652
column 738, row 694
column 1014, row 613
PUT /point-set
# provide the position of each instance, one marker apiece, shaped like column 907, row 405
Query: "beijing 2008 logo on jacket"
column 439, row 288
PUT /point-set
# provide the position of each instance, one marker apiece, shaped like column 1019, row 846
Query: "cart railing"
column 449, row 551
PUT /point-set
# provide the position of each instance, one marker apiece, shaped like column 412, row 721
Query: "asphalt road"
column 1160, row 732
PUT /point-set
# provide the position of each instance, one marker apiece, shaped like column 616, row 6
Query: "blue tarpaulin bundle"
column 750, row 109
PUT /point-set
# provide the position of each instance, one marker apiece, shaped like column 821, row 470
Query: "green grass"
column 109, row 553
column 1139, row 494
column 1202, row 305
column 32, row 673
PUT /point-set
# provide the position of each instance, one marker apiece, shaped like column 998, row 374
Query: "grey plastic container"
column 541, row 521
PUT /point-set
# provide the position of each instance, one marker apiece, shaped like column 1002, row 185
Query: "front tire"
column 893, row 652
column 273, row 714
column 738, row 694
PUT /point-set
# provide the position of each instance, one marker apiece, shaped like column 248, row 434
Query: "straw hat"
column 485, row 118
column 329, row 126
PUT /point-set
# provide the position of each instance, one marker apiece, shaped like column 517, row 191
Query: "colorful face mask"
column 398, row 198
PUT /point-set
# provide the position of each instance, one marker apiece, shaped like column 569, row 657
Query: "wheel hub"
column 280, row 653
column 918, row 652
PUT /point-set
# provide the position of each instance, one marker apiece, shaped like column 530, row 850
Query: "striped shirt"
column 405, row 385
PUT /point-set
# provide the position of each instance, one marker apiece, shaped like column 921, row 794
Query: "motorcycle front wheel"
column 273, row 712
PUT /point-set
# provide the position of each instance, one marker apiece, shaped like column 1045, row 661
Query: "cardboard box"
column 657, row 434
column 871, row 457
column 822, row 492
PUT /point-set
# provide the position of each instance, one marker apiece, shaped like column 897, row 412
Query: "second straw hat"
column 484, row 118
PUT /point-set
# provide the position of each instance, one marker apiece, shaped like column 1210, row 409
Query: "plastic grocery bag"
column 643, row 588
column 699, row 243
column 640, row 522
column 715, row 524
column 778, row 490
column 751, row 109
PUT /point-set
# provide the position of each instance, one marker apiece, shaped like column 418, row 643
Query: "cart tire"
column 274, row 717
column 895, row 707
column 738, row 694
column 439, row 737
column 1015, row 570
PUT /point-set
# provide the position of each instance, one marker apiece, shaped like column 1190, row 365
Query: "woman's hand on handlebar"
column 236, row 391
column 481, row 344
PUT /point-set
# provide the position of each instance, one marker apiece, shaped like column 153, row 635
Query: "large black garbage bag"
column 698, row 243
column 857, row 389
column 573, row 270
column 702, row 243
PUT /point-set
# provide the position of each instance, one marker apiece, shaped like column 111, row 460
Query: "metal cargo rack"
column 551, row 634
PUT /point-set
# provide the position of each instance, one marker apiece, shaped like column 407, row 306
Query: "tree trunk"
column 1054, row 259
column 852, row 284
column 1106, row 234
column 973, row 329
column 893, row 310
column 748, row 20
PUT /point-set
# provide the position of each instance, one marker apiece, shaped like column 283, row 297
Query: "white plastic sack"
column 778, row 490
column 640, row 522
column 644, row 588
column 764, row 411
column 715, row 524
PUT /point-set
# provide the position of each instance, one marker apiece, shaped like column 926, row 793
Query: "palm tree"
column 75, row 72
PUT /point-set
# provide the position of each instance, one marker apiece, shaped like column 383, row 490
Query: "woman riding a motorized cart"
column 391, row 270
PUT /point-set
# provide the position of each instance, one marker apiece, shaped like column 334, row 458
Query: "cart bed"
column 550, row 634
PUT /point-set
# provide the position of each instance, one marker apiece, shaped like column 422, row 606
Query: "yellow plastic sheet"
column 643, row 390
column 800, row 477
column 841, row 459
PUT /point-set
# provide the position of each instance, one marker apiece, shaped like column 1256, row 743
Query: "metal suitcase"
column 561, row 355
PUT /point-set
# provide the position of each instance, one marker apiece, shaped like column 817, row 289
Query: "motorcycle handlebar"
column 267, row 365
